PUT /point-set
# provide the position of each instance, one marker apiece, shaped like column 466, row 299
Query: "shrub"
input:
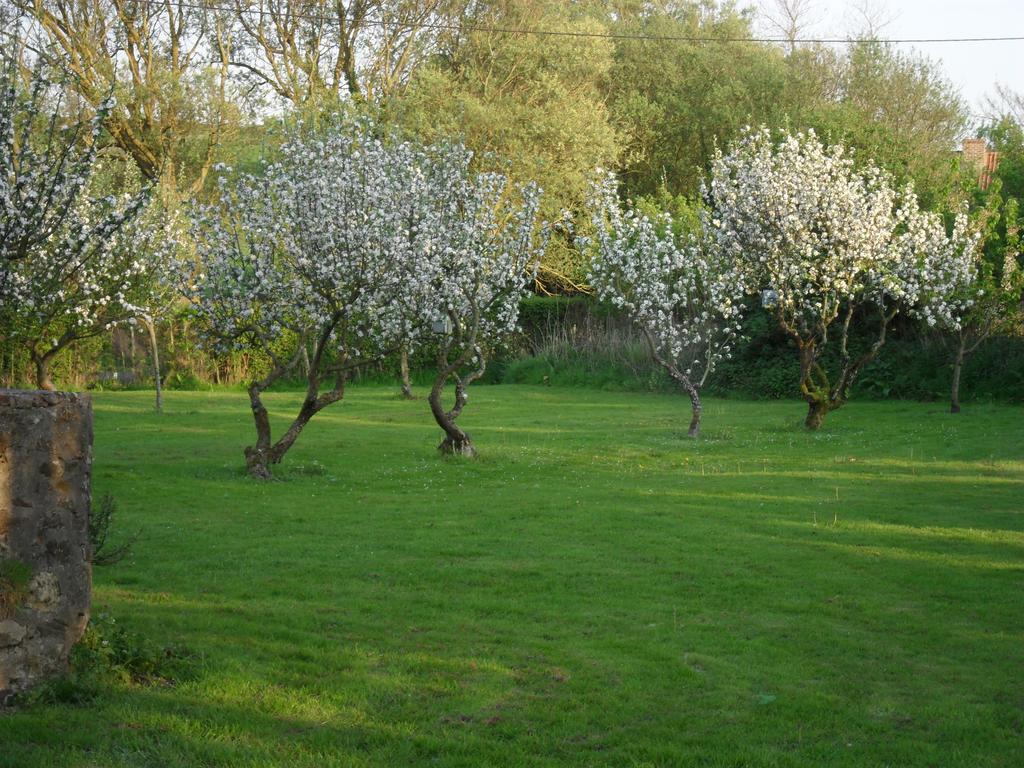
column 107, row 656
column 100, row 520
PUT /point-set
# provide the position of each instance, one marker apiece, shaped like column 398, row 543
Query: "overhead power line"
column 464, row 27
column 441, row 26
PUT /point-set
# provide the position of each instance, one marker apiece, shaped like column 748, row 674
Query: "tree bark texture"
column 42, row 364
column 954, row 391
column 403, row 365
column 814, row 386
column 456, row 441
column 682, row 380
column 151, row 327
column 816, row 412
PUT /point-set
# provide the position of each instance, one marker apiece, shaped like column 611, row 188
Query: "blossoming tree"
column 70, row 263
column 995, row 295
column 683, row 296
column 320, row 257
column 829, row 245
column 485, row 253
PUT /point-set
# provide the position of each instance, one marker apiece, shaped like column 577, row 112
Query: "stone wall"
column 45, row 464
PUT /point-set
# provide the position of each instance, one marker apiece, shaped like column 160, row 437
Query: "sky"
column 975, row 68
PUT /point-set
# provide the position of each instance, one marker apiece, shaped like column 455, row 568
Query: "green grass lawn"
column 594, row 590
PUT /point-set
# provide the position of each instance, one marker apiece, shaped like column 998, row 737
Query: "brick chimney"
column 978, row 156
column 975, row 151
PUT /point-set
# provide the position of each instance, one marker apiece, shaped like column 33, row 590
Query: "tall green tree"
column 167, row 66
column 994, row 296
column 898, row 109
column 1005, row 132
column 529, row 105
column 676, row 100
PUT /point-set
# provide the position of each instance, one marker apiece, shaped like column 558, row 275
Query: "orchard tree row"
column 166, row 91
column 354, row 242
column 352, row 245
column 649, row 89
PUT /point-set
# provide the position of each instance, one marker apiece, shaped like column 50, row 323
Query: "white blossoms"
column 803, row 221
column 828, row 240
column 324, row 239
column 69, row 261
column 802, row 227
column 683, row 295
column 354, row 244
column 383, row 236
column 485, row 254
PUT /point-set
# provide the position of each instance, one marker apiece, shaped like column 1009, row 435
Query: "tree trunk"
column 257, row 457
column 455, row 441
column 151, row 327
column 461, row 446
column 695, row 409
column 954, row 392
column 815, row 387
column 257, row 463
column 682, row 380
column 816, row 412
column 43, row 380
column 287, row 440
column 694, row 394
column 404, row 369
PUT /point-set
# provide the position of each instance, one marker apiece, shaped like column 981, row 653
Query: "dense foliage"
column 72, row 262
column 649, row 90
column 684, row 296
column 352, row 244
column 826, row 244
